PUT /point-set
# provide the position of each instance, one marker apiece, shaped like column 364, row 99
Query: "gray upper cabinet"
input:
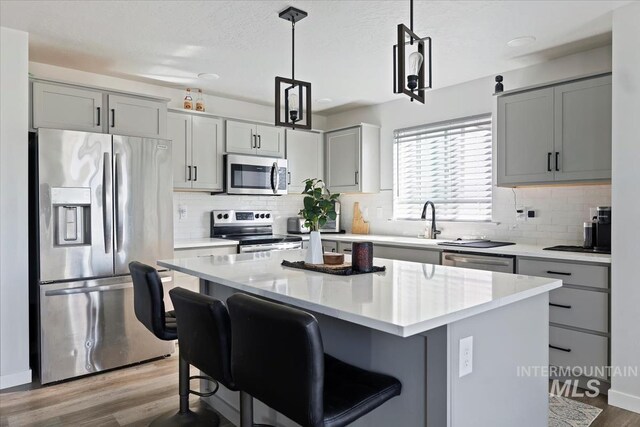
column 583, row 130
column 179, row 132
column 525, row 137
column 353, row 159
column 197, row 151
column 305, row 153
column 555, row 134
column 137, row 117
column 256, row 139
column 66, row 107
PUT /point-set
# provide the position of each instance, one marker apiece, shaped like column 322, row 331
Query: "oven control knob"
column 268, row 215
column 219, row 216
column 257, row 216
column 261, row 215
column 226, row 216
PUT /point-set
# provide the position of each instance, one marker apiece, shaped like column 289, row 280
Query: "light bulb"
column 293, row 106
column 415, row 62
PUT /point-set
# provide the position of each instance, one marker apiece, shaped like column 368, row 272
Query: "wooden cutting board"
column 359, row 225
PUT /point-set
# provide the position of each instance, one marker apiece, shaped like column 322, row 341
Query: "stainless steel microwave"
column 255, row 175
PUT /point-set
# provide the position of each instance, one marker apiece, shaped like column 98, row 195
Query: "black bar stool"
column 278, row 358
column 149, row 307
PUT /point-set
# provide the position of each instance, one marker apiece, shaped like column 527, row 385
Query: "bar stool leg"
column 202, row 416
column 246, row 410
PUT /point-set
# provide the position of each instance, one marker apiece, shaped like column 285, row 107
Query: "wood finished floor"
column 136, row 395
column 126, row 397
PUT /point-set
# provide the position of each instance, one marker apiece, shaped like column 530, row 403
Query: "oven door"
column 244, row 249
column 256, row 175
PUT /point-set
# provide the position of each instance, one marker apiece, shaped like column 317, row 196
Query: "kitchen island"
column 408, row 322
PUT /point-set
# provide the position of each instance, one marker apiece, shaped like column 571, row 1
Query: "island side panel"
column 505, row 339
column 404, row 358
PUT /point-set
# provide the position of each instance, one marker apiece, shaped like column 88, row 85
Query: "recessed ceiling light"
column 324, row 100
column 521, row 41
column 208, row 76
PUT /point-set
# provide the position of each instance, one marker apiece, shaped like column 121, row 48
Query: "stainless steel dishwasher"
column 499, row 263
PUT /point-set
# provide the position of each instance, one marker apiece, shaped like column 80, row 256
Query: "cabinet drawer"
column 580, row 308
column 196, row 252
column 407, row 254
column 572, row 274
column 573, row 348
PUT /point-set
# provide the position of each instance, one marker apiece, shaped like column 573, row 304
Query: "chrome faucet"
column 434, row 232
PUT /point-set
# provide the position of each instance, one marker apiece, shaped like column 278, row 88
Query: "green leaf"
column 322, row 221
column 332, row 215
column 308, row 203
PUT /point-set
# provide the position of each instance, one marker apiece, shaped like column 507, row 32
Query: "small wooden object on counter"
column 333, row 259
column 359, row 225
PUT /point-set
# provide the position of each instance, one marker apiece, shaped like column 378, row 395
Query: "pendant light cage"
column 407, row 39
column 287, row 89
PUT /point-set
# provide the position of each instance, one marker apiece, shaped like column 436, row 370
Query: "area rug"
column 565, row 412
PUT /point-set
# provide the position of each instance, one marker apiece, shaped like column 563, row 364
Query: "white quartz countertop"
column 532, row 251
column 407, row 299
column 205, row 242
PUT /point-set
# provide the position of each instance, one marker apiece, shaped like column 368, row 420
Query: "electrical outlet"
column 466, row 356
column 521, row 214
column 182, row 212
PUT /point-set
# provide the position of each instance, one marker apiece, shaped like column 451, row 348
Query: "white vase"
column 314, row 252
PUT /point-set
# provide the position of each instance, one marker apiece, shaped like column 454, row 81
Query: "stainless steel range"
column 253, row 229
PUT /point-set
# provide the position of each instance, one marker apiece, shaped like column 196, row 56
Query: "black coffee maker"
column 603, row 229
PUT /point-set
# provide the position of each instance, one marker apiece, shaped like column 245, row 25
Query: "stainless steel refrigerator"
column 102, row 201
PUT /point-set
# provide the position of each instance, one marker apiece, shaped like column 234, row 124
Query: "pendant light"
column 295, row 94
column 409, row 70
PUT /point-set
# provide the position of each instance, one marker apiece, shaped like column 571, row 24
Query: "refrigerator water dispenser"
column 72, row 216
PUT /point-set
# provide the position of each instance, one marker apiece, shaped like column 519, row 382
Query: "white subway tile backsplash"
column 560, row 212
column 200, row 205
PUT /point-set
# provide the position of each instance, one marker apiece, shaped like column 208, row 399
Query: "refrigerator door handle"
column 107, row 208
column 100, row 288
column 118, row 183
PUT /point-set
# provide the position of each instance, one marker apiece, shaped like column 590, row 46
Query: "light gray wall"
column 625, row 296
column 14, row 277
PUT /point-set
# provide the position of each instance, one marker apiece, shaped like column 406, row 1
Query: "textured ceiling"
column 343, row 47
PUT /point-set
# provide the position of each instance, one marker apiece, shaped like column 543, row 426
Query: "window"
column 448, row 163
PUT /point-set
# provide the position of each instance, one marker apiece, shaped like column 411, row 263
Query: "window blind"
column 448, row 163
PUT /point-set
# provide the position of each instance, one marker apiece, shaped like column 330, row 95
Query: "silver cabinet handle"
column 557, row 161
column 475, row 261
column 113, row 117
column 259, row 141
column 357, row 178
column 254, row 143
column 195, row 173
column 106, row 202
column 558, row 273
column 98, row 121
column 188, row 173
column 289, row 175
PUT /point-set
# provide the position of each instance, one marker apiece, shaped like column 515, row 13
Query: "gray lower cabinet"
column 329, row 246
column 424, row 256
column 66, row 107
column 197, row 151
column 558, row 133
column 579, row 328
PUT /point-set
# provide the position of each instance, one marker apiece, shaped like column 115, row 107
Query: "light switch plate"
column 182, row 212
column 466, row 356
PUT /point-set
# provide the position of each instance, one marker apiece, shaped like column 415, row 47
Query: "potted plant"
column 319, row 207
